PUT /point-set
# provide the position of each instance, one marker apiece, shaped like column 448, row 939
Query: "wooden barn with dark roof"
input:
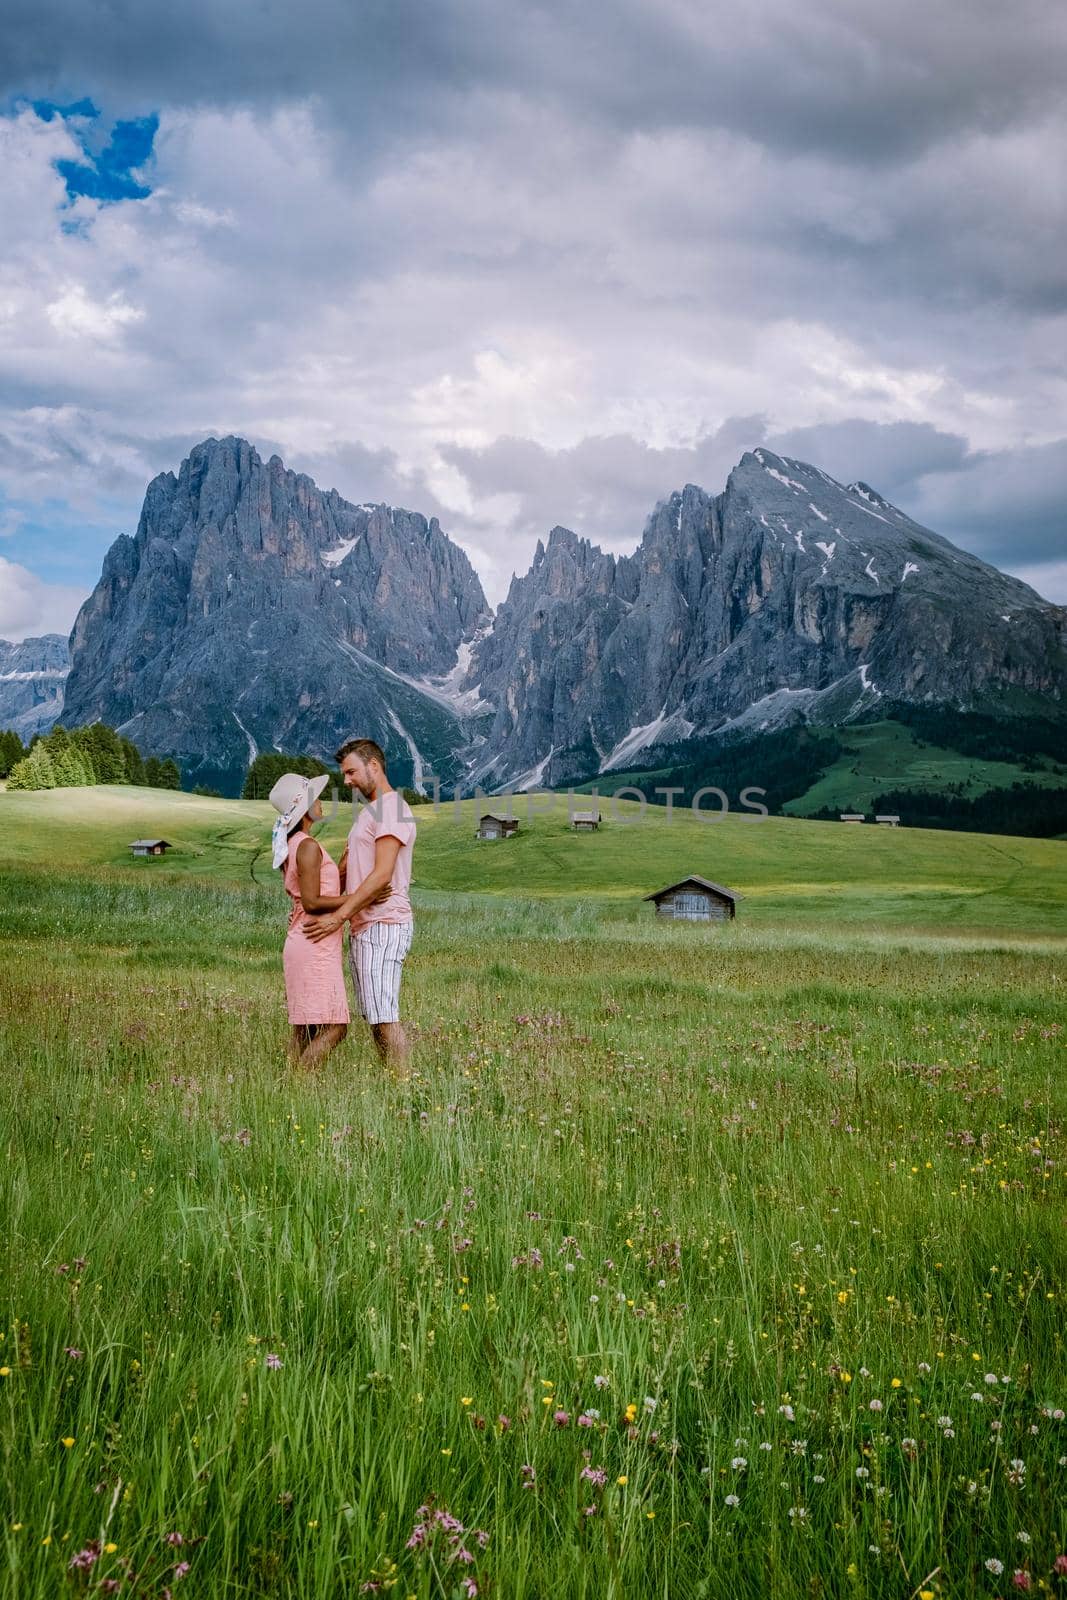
column 695, row 899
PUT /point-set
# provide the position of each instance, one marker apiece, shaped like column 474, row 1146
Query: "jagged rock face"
column 788, row 596
column 252, row 610
column 32, row 676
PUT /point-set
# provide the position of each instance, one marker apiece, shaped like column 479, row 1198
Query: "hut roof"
column 149, row 843
column 585, row 816
column 704, row 883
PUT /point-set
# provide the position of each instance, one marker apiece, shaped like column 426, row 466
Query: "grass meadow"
column 687, row 1262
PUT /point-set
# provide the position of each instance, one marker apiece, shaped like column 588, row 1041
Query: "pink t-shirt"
column 387, row 817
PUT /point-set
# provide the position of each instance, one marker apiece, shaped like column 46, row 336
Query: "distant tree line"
column 78, row 757
column 1026, row 809
column 785, row 764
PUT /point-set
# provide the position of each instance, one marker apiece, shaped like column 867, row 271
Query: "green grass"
column 810, row 875
column 790, row 1161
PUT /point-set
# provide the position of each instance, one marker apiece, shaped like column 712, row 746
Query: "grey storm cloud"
column 514, row 264
column 867, row 83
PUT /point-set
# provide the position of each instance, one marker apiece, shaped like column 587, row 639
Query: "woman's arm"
column 309, row 874
column 375, row 886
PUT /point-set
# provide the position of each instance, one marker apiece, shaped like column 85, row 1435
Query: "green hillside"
column 886, row 755
column 790, row 871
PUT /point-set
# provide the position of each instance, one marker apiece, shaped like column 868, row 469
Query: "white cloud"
column 29, row 606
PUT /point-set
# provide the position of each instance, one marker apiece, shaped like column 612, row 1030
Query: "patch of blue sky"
column 59, row 542
column 107, row 174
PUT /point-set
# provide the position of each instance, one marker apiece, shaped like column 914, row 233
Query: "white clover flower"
column 863, row 1472
column 994, row 1566
column 733, row 1500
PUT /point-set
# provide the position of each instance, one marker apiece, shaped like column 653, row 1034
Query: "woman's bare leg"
column 298, row 1042
column 327, row 1038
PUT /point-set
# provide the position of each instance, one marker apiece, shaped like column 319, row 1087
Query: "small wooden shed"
column 150, row 847
column 491, row 825
column 888, row 821
column 853, row 816
column 585, row 821
column 695, row 900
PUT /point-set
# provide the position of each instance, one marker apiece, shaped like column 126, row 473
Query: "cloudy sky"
column 519, row 262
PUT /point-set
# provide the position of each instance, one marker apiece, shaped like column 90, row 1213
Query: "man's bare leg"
column 391, row 1043
column 327, row 1038
column 299, row 1038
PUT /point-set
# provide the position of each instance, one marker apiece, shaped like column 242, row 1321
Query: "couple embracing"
column 376, row 868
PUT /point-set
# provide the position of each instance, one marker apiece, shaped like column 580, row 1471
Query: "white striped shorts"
column 376, row 955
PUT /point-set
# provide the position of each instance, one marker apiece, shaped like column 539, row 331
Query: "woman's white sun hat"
column 292, row 796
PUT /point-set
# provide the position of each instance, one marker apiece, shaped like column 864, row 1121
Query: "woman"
column 314, row 973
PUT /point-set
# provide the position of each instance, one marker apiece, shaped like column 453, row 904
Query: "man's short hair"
column 365, row 749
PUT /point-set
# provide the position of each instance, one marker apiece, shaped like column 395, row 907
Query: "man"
column 376, row 871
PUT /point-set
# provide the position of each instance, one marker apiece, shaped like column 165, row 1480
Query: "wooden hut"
column 150, row 847
column 585, row 821
column 853, row 816
column 491, row 825
column 888, row 821
column 695, row 900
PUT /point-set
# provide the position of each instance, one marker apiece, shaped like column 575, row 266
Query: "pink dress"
column 314, row 973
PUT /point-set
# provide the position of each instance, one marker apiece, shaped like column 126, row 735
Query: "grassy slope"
column 789, row 870
column 887, row 755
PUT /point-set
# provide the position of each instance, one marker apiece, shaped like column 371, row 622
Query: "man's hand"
column 317, row 928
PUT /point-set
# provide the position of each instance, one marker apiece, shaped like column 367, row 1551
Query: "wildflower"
column 874, row 1405
column 272, row 1361
column 1023, row 1538
column 1059, row 1566
column 174, row 1538
column 649, row 1403
column 787, row 1412
column 588, row 1419
column 72, row 1352
column 600, row 1381
column 990, row 1377
column 798, row 1514
column 561, row 1418
column 589, row 1511
column 994, row 1566
column 895, row 1383
column 466, row 1400
column 5, row 1372
column 68, row 1443
column 1020, row 1578
column 86, row 1558
column 622, row 1480
column 503, row 1423
column 529, row 1476
column 739, row 1463
column 182, row 1567
column 799, row 1447
column 818, row 1478
column 926, row 1594
column 733, row 1500
column 593, row 1475
column 924, row 1366
column 1016, row 1473
column 863, row 1472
